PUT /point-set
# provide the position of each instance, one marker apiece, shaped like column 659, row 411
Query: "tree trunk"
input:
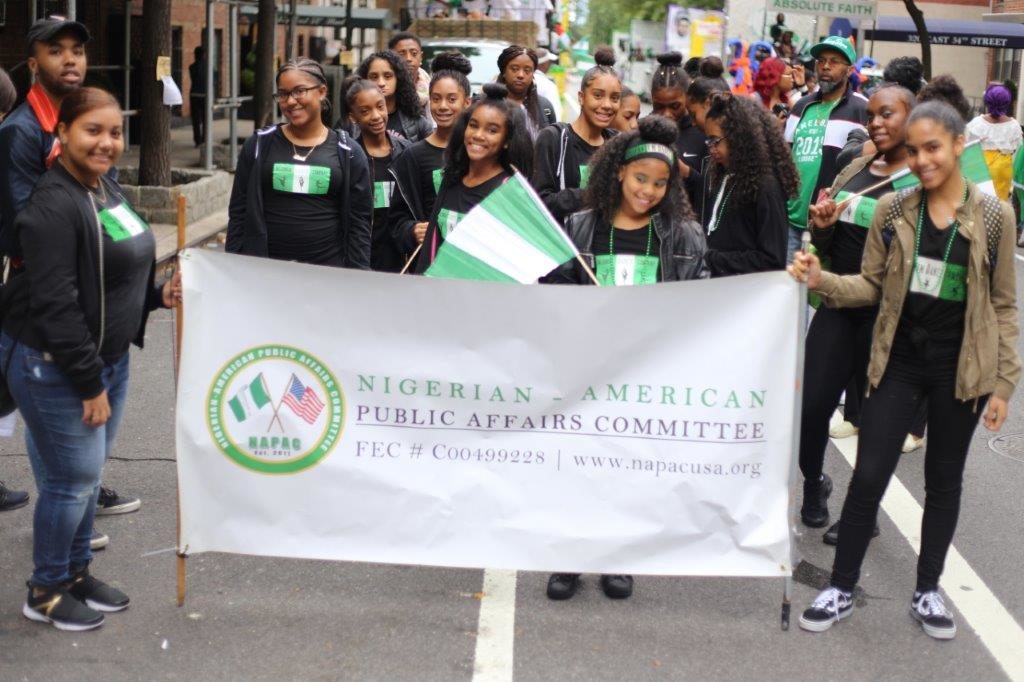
column 922, row 31
column 267, row 26
column 154, row 117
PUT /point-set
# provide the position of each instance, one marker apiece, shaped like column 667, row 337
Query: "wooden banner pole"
column 179, row 314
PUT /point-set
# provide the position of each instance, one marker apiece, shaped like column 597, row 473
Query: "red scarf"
column 46, row 114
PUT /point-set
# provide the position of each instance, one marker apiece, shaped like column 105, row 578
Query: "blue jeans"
column 66, row 456
column 793, row 245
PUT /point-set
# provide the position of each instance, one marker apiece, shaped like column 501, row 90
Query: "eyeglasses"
column 713, row 142
column 298, row 93
column 831, row 61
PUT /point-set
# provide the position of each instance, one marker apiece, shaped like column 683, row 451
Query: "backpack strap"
column 894, row 213
column 563, row 145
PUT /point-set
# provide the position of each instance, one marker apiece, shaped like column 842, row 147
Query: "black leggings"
column 887, row 415
column 838, row 347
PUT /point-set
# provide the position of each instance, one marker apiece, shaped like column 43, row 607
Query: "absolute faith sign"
column 849, row 9
column 333, row 414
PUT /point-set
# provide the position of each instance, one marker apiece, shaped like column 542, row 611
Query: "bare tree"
column 263, row 91
column 155, row 118
column 917, row 16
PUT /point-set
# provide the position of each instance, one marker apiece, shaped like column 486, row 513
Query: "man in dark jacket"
column 819, row 126
column 29, row 146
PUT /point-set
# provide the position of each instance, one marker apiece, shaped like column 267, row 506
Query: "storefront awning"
column 948, row 32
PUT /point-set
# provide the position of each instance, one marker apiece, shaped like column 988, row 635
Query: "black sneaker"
column 930, row 611
column 563, row 585
column 830, row 606
column 61, row 610
column 12, row 499
column 831, row 536
column 617, row 586
column 97, row 594
column 98, row 541
column 110, row 503
column 814, row 511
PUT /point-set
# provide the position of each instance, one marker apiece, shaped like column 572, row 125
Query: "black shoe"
column 563, row 585
column 814, row 512
column 60, row 609
column 831, row 536
column 12, row 499
column 930, row 611
column 97, row 594
column 110, row 503
column 830, row 606
column 617, row 586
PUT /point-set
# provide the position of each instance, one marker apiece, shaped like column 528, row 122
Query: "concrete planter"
column 206, row 191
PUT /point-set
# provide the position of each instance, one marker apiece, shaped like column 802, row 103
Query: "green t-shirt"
column 808, row 140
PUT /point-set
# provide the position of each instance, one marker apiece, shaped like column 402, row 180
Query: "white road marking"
column 995, row 627
column 496, row 629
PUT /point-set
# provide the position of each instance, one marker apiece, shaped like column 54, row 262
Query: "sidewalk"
column 184, row 154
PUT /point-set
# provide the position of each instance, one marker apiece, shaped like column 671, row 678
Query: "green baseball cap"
column 836, row 44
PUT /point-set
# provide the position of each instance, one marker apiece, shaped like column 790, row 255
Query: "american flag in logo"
column 303, row 401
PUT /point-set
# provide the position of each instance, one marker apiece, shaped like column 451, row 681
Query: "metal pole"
column 127, row 69
column 208, row 144
column 233, row 63
column 348, row 30
column 874, row 30
column 71, row 13
column 725, row 31
column 798, row 400
column 293, row 18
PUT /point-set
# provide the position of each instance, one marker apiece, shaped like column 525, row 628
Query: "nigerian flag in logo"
column 250, row 399
column 508, row 237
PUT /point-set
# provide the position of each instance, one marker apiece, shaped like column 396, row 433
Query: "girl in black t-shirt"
column 368, row 110
column 417, row 171
column 939, row 262
column 560, row 170
column 839, row 339
column 302, row 191
column 487, row 145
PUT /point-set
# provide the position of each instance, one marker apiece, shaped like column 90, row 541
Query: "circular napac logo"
column 275, row 410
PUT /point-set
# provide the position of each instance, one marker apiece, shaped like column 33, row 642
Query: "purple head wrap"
column 997, row 100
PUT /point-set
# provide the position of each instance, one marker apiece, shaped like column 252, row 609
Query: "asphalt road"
column 256, row 618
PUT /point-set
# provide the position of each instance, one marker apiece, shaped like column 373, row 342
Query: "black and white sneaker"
column 930, row 611
column 97, row 594
column 830, row 606
column 98, row 541
column 110, row 503
column 60, row 609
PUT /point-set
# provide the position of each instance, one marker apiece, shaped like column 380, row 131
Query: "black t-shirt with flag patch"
column 851, row 232
column 627, row 262
column 932, row 322
column 300, row 202
column 128, row 252
column 384, row 254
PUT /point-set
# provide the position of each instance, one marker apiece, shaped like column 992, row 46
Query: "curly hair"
column 406, row 99
column 532, row 100
column 757, row 145
column 518, row 151
column 604, row 191
column 907, row 72
column 944, row 88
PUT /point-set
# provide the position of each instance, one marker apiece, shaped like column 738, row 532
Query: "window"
column 1006, row 64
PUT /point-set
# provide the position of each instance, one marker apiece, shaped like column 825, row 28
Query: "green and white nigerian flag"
column 508, row 237
column 121, row 222
column 251, row 399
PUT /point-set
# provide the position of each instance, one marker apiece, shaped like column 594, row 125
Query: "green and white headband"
column 651, row 150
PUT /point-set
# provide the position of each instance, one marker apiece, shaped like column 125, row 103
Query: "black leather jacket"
column 682, row 249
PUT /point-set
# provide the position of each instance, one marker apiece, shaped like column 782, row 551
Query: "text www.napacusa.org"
column 658, row 467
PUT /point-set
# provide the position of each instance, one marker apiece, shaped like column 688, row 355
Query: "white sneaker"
column 912, row 442
column 843, row 430
column 930, row 611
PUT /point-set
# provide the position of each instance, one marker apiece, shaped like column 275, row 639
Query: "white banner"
column 849, row 9
column 334, row 414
